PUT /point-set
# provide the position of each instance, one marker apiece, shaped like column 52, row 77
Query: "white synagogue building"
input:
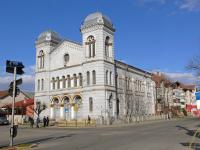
column 75, row 80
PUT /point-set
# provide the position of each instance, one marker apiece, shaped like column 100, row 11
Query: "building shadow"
column 192, row 145
column 41, row 140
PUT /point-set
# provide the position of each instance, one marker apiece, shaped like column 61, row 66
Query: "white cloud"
column 190, row 5
column 28, row 79
column 187, row 78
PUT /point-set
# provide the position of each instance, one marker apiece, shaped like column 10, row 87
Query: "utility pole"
column 13, row 108
column 15, row 68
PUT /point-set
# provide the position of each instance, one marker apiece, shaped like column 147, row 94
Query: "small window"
column 106, row 77
column 42, row 86
column 94, row 77
column 91, row 46
column 80, row 79
column 66, row 58
column 53, row 83
column 63, row 82
column 41, row 60
column 38, row 87
column 58, row 83
column 90, row 104
column 68, row 81
column 75, row 80
column 88, row 78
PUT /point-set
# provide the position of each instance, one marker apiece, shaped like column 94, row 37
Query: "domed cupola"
column 48, row 36
column 97, row 18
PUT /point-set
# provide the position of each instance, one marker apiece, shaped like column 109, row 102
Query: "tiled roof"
column 3, row 94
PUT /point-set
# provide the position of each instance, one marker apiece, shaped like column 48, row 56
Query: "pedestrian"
column 88, row 121
column 37, row 122
column 44, row 122
column 31, row 122
column 47, row 121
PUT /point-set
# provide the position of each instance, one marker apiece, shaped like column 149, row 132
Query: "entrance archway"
column 55, row 108
column 67, row 107
column 76, row 107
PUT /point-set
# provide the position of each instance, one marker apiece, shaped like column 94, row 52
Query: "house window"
column 68, row 81
column 38, row 87
column 106, row 77
column 93, row 77
column 42, row 86
column 80, row 79
column 41, row 60
column 91, row 46
column 63, row 82
column 53, row 83
column 110, row 78
column 108, row 47
column 90, row 104
column 58, row 83
column 66, row 58
column 88, row 78
column 75, row 80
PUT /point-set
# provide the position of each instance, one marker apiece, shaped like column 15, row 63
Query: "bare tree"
column 38, row 110
column 194, row 65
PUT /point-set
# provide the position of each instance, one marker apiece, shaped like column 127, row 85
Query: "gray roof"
column 48, row 35
column 97, row 18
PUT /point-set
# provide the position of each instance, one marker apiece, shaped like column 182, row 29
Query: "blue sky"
column 150, row 34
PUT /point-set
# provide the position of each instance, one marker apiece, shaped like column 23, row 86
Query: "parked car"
column 4, row 121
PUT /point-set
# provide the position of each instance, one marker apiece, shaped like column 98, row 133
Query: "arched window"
column 38, row 86
column 80, row 79
column 63, row 82
column 91, row 46
column 108, row 48
column 53, row 83
column 68, row 81
column 66, row 59
column 93, row 77
column 106, row 77
column 88, row 78
column 41, row 60
column 42, row 86
column 58, row 83
column 111, row 78
column 75, row 80
column 90, row 104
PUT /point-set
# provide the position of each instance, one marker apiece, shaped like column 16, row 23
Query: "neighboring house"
column 79, row 79
column 23, row 103
column 183, row 94
column 172, row 96
column 163, row 93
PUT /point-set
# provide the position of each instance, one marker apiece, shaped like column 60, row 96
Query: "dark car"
column 4, row 121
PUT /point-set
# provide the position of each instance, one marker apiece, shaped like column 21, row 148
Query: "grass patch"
column 17, row 147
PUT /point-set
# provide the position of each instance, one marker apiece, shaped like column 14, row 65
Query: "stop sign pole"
column 13, row 108
column 14, row 67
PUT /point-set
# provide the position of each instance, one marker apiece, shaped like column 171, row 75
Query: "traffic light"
column 10, row 65
column 10, row 90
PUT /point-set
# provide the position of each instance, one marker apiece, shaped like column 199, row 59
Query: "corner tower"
column 98, row 37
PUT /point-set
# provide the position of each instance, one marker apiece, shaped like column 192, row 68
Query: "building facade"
column 76, row 79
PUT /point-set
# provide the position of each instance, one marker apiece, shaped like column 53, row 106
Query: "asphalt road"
column 163, row 135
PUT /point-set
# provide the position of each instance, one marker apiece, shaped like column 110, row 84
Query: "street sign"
column 18, row 82
column 197, row 94
column 10, row 65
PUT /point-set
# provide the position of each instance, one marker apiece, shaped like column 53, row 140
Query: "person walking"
column 44, row 122
column 47, row 121
column 89, row 119
column 37, row 122
column 31, row 122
